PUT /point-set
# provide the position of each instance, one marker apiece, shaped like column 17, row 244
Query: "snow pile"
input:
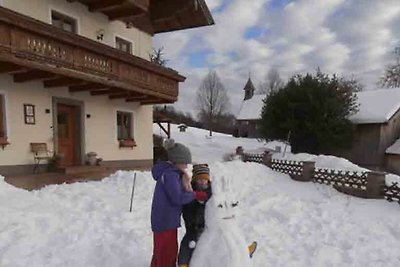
column 81, row 224
column 323, row 161
column 334, row 163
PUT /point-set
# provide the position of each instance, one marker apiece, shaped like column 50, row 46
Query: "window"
column 63, row 22
column 123, row 45
column 124, row 125
column 2, row 117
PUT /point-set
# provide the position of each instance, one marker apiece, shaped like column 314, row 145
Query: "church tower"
column 249, row 89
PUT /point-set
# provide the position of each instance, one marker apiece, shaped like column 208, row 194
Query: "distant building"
column 377, row 128
column 182, row 127
column 250, row 112
column 376, row 142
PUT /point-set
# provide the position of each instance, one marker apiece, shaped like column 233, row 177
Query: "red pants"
column 165, row 249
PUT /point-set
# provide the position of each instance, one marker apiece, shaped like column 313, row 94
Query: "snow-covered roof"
column 251, row 108
column 376, row 106
column 394, row 149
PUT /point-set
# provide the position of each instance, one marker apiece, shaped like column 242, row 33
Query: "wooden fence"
column 360, row 184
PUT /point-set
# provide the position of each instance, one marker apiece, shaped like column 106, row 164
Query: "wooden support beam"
column 153, row 101
column 118, row 96
column 137, row 98
column 6, row 67
column 104, row 4
column 107, row 91
column 163, row 10
column 164, row 130
column 119, row 14
column 125, row 95
column 32, row 75
column 59, row 82
column 86, row 87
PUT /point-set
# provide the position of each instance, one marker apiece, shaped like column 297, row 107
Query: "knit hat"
column 201, row 171
column 177, row 153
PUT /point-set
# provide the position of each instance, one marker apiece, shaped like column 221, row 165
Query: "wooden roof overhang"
column 159, row 117
column 154, row 16
column 33, row 50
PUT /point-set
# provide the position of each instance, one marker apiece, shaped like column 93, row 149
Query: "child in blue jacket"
column 169, row 197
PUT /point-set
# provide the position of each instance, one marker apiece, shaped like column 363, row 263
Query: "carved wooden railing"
column 37, row 45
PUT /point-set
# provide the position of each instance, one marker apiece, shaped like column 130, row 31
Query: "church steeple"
column 249, row 89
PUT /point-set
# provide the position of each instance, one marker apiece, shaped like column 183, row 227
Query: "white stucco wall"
column 100, row 128
column 89, row 23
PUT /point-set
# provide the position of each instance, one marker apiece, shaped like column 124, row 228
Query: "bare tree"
column 391, row 78
column 157, row 56
column 212, row 100
column 272, row 82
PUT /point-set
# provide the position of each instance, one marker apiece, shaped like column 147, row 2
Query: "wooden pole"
column 287, row 141
column 133, row 191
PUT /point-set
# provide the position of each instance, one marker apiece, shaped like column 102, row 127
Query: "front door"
column 66, row 117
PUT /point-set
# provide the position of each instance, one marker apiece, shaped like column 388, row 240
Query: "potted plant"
column 55, row 162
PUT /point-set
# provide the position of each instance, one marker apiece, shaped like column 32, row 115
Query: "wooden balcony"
column 154, row 16
column 33, row 50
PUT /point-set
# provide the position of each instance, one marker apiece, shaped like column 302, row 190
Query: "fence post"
column 267, row 158
column 307, row 174
column 375, row 184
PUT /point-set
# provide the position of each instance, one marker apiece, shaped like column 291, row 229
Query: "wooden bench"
column 40, row 152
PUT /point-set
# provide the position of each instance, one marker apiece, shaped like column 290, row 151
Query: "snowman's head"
column 222, row 208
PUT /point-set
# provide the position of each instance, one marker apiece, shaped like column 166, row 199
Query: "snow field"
column 294, row 223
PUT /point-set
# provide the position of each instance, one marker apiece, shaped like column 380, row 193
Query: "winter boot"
column 252, row 248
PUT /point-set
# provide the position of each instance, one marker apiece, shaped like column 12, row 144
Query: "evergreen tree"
column 314, row 109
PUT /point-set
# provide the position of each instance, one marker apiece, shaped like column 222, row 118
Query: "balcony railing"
column 42, row 48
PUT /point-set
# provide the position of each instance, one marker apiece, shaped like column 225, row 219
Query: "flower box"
column 127, row 143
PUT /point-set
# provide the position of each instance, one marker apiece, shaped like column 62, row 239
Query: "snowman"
column 222, row 242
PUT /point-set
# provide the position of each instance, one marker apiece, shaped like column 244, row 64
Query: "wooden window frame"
column 119, row 40
column 29, row 114
column 64, row 19
column 129, row 140
column 3, row 125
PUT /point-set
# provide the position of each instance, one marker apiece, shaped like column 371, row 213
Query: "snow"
column 394, row 149
column 295, row 224
column 376, row 106
column 217, row 146
column 251, row 108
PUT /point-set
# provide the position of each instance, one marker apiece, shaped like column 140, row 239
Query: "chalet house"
column 75, row 78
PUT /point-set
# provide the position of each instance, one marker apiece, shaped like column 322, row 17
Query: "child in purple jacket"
column 168, row 199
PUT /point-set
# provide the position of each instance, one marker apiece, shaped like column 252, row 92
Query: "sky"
column 353, row 38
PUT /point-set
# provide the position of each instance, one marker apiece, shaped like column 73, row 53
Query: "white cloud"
column 213, row 4
column 350, row 37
